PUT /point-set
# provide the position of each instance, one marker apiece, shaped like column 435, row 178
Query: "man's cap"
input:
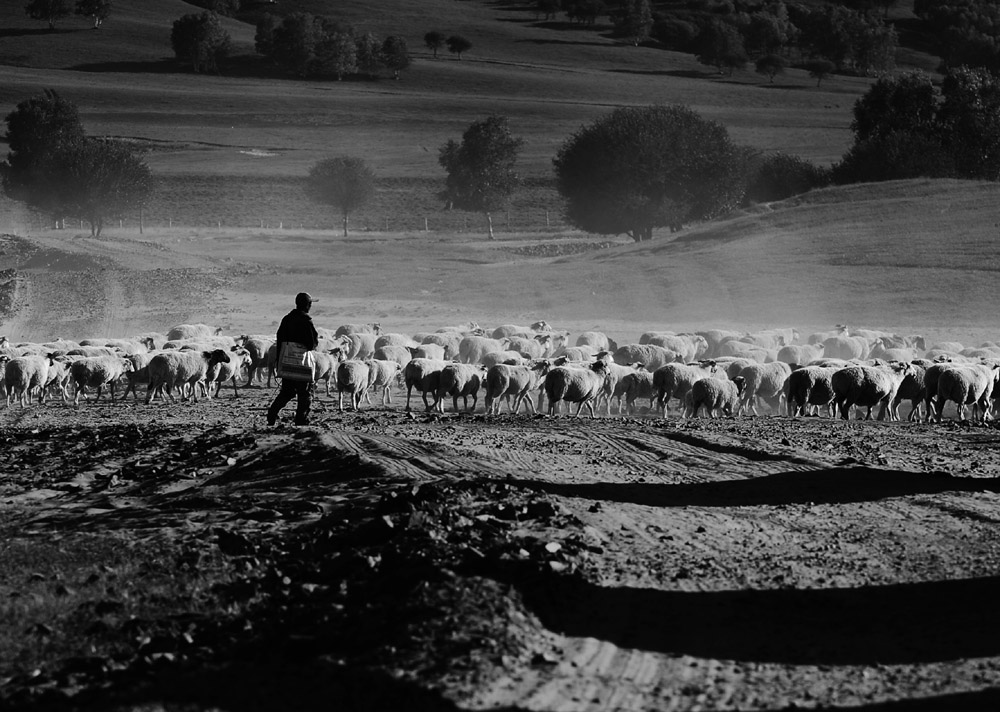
column 304, row 298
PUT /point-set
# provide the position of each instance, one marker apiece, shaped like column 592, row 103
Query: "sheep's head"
column 740, row 383
column 540, row 325
column 216, row 356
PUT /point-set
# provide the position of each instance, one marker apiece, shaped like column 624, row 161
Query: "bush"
column 894, row 156
column 781, row 176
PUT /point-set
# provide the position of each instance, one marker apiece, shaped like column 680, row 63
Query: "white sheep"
column 472, row 349
column 613, row 387
column 510, row 358
column 576, row 354
column 846, row 347
column 192, row 332
column 97, row 372
column 381, row 374
column 764, row 381
column 352, row 377
column 867, row 386
column 139, row 373
column 652, row 357
column 517, row 381
column 688, row 347
column 715, row 337
column 716, row 395
column 424, row 374
column 912, row 388
column 180, row 369
column 59, row 376
column 326, row 366
column 967, row 385
column 399, row 354
column 434, row 352
column 219, row 373
column 459, row 380
column 636, row 385
column 348, row 329
column 800, row 354
column 931, row 375
column 674, row 380
column 22, row 374
column 256, row 347
column 395, row 339
column 449, row 341
column 575, row 385
column 598, row 340
column 505, row 330
column 809, row 386
column 358, row 346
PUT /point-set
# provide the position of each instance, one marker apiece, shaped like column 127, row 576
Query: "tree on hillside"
column 634, row 20
column 101, row 179
column 969, row 121
column 99, row 10
column 345, row 182
column 395, row 54
column 458, row 44
column 547, row 8
column 368, row 53
column 481, row 175
column 263, row 39
column 771, row 64
column 37, row 129
column 50, row 11
column 336, row 54
column 819, row 69
column 641, row 168
column 720, row 45
column 904, row 102
column 201, row 41
column 434, row 41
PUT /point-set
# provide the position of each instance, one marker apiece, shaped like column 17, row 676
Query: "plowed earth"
column 387, row 560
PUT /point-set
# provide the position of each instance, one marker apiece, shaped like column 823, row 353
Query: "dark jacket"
column 297, row 326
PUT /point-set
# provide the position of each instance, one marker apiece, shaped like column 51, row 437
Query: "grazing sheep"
column 506, row 330
column 504, row 381
column 183, row 369
column 459, row 380
column 636, row 385
column 596, row 339
column 381, row 374
column 688, row 347
column 352, row 377
column 810, row 386
column 674, row 380
column 190, row 332
column 765, row 381
column 22, row 374
column 511, row 358
column 472, row 349
column 867, row 386
column 575, row 385
column 717, row 395
column 256, row 347
column 845, row 347
column 435, row 352
column 972, row 384
column 394, row 339
column 348, row 329
column 651, row 356
column 449, row 341
column 97, row 372
column 912, row 388
column 424, row 374
column 358, row 346
column 326, row 366
column 800, row 354
column 223, row 371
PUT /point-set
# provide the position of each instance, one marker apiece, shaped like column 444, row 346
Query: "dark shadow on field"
column 871, row 625
column 36, row 31
column 566, row 42
column 572, row 26
column 838, row 485
column 986, row 699
column 264, row 682
column 159, row 66
column 683, row 73
column 788, row 87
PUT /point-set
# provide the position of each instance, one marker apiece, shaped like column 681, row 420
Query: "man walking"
column 296, row 327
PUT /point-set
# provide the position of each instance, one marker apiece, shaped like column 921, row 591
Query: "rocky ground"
column 393, row 560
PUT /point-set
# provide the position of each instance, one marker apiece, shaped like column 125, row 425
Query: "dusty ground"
column 385, row 560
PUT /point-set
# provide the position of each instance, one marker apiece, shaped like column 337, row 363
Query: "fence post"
column 426, row 229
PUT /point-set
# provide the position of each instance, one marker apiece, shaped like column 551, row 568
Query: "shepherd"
column 297, row 339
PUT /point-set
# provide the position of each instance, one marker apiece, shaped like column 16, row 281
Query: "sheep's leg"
column 409, row 392
column 340, row 401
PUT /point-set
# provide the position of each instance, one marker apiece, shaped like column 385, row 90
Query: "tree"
column 771, row 64
column 434, row 41
column 819, row 69
column 101, row 178
column 263, row 39
column 634, row 20
column 720, row 45
column 782, row 175
column 481, row 175
column 641, row 168
column 100, row 10
column 895, row 155
column 395, row 54
column 294, row 41
column 37, row 129
column 368, row 51
column 547, row 8
column 201, row 41
column 336, row 54
column 345, row 182
column 905, row 102
column 458, row 44
column 969, row 121
column 48, row 10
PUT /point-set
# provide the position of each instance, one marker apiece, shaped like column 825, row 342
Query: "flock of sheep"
column 715, row 371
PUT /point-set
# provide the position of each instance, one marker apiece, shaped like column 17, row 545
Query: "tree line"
column 631, row 172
